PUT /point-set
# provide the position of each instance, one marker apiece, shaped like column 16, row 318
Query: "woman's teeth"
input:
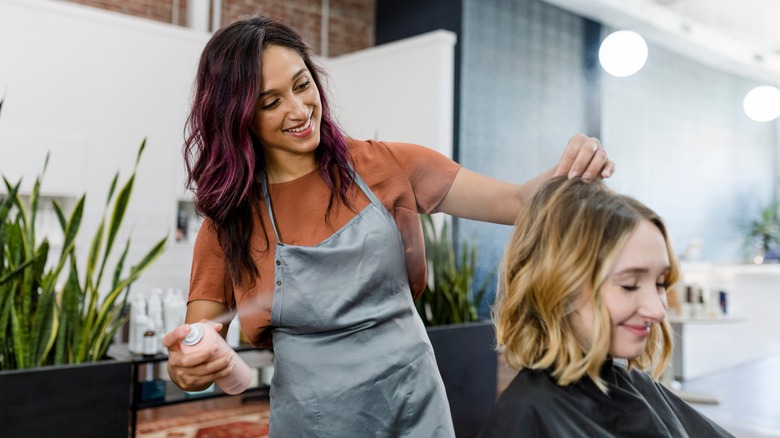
column 302, row 128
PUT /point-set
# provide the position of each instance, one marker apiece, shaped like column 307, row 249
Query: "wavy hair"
column 224, row 159
column 565, row 244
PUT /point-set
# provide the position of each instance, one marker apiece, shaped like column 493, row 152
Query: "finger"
column 211, row 370
column 172, row 339
column 597, row 162
column 586, row 153
column 608, row 170
column 197, row 357
column 569, row 156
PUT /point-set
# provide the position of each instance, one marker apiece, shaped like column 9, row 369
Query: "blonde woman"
column 585, row 280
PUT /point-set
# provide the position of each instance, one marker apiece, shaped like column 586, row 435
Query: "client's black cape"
column 535, row 406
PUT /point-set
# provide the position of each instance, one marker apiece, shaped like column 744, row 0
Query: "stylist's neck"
column 289, row 167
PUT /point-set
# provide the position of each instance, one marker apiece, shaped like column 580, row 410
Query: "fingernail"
column 587, row 176
column 573, row 173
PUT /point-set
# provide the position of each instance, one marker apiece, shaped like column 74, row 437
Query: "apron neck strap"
column 362, row 184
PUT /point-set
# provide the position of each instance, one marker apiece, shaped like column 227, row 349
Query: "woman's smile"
column 301, row 131
column 640, row 330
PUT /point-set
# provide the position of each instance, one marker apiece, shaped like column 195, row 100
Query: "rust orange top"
column 407, row 178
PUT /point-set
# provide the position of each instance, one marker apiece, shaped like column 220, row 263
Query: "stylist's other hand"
column 584, row 156
column 195, row 370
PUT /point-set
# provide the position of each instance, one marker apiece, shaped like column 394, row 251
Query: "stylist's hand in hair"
column 584, row 156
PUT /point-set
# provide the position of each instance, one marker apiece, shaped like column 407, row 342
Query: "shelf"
column 173, row 394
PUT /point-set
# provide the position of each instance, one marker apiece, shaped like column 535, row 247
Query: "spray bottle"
column 203, row 337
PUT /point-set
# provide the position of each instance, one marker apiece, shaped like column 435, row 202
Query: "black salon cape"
column 535, row 406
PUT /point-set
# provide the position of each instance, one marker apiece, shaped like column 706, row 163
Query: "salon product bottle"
column 155, row 312
column 139, row 326
column 699, row 306
column 150, row 340
column 174, row 310
column 687, row 304
column 203, row 337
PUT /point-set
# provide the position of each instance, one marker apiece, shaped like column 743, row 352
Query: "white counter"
column 754, row 296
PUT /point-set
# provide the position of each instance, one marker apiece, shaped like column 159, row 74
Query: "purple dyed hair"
column 224, row 158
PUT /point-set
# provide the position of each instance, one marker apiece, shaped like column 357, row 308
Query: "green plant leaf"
column 18, row 337
column 135, row 272
column 5, row 210
column 70, row 230
column 16, row 272
column 69, row 334
column 42, row 323
column 109, row 309
column 93, row 257
column 120, row 265
column 120, row 208
column 44, row 329
column 117, row 216
column 449, row 297
column 60, row 215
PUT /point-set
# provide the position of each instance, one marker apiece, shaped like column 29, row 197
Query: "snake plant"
column 448, row 297
column 50, row 313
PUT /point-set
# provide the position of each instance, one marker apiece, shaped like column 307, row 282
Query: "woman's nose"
column 298, row 109
column 653, row 305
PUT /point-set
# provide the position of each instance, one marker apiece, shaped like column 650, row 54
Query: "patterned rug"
column 240, row 422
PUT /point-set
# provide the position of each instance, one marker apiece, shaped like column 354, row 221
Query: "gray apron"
column 352, row 357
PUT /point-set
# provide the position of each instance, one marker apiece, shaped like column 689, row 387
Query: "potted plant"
column 763, row 233
column 463, row 344
column 53, row 338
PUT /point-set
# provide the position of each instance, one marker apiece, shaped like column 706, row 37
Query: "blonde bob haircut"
column 565, row 244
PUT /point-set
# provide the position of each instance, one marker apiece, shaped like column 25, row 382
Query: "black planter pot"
column 88, row 400
column 468, row 364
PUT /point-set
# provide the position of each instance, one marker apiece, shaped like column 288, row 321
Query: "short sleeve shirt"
column 408, row 179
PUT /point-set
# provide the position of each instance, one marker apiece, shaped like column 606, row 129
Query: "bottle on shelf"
column 137, row 323
column 203, row 336
column 155, row 313
column 150, row 340
column 138, row 328
column 174, row 309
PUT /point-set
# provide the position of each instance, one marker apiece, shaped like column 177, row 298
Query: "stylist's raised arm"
column 479, row 197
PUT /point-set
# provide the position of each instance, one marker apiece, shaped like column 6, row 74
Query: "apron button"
column 278, row 262
column 279, row 283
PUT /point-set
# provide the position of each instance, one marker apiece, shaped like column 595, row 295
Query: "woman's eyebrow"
column 640, row 270
column 271, row 91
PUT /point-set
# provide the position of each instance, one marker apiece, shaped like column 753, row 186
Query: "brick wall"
column 350, row 22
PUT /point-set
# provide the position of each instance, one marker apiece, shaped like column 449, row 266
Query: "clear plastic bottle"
column 203, row 337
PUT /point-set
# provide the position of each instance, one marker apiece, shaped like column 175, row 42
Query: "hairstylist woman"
column 314, row 239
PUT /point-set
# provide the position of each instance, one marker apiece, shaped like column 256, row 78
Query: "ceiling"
column 739, row 36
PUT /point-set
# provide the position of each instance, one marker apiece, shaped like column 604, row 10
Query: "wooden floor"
column 749, row 398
